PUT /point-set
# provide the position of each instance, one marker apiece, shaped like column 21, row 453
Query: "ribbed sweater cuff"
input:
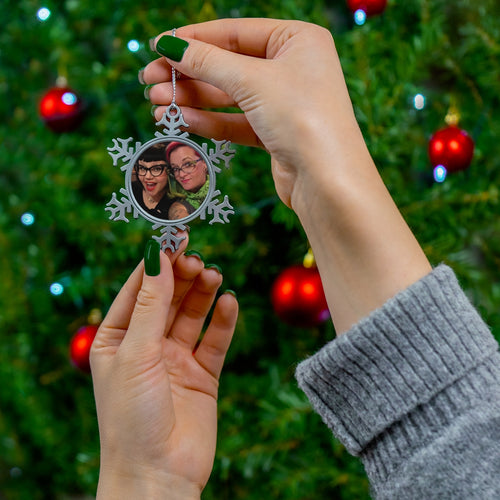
column 402, row 355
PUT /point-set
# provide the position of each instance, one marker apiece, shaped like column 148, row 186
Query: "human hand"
column 286, row 78
column 155, row 388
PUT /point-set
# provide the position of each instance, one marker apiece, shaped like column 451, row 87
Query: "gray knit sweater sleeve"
column 414, row 390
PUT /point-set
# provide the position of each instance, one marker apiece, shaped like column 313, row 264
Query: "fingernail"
column 152, row 258
column 140, row 76
column 146, row 91
column 189, row 253
column 151, row 43
column 214, row 266
column 231, row 292
column 153, row 109
column 172, row 47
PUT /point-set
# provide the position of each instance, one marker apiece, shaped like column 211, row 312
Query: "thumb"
column 214, row 57
column 152, row 304
column 139, row 311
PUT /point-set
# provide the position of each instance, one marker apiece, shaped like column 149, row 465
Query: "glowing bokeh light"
column 43, row 14
column 56, row 289
column 419, row 101
column 133, row 45
column 27, row 219
column 360, row 17
column 69, row 98
column 440, row 173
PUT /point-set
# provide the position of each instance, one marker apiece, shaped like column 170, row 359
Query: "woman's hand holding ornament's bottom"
column 156, row 383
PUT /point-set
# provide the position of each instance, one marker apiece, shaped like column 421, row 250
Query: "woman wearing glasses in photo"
column 152, row 190
column 190, row 172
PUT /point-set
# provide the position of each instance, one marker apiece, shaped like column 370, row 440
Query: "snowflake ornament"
column 170, row 180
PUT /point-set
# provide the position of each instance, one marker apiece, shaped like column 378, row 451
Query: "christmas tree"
column 409, row 68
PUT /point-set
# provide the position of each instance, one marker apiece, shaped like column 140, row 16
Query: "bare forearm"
column 364, row 249
column 115, row 485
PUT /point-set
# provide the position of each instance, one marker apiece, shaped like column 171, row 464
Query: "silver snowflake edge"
column 171, row 231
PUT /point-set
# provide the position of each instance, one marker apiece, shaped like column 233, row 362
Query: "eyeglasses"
column 187, row 167
column 154, row 171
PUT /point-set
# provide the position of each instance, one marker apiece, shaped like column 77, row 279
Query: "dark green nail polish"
column 214, row 266
column 153, row 109
column 171, row 47
column 195, row 253
column 140, row 76
column 231, row 292
column 152, row 258
column 146, row 91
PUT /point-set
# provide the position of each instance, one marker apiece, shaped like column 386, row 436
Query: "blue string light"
column 440, row 173
column 133, row 45
column 27, row 219
column 43, row 14
column 56, row 289
column 69, row 98
column 360, row 17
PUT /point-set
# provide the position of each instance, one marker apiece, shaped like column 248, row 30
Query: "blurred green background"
column 271, row 444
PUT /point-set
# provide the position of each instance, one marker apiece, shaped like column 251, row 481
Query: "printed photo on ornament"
column 170, row 180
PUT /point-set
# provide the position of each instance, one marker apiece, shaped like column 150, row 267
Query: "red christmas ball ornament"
column 452, row 148
column 61, row 109
column 369, row 7
column 79, row 348
column 298, row 298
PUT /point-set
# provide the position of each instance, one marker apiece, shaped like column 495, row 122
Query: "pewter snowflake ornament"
column 170, row 180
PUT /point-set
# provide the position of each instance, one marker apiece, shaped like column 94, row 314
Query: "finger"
column 156, row 71
column 195, row 307
column 249, row 36
column 152, row 305
column 213, row 347
column 218, row 59
column 229, row 126
column 194, row 93
column 186, row 269
column 242, row 36
column 117, row 321
column 115, row 324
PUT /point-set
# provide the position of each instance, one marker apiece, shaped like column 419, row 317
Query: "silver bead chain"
column 174, row 77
